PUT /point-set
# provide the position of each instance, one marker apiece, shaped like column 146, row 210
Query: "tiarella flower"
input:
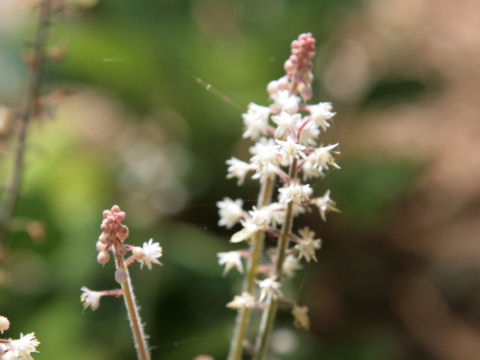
column 283, row 100
column 277, row 214
column 321, row 113
column 285, row 124
column 309, row 132
column 289, row 150
column 322, row 157
column 269, row 289
column 260, row 216
column 90, row 298
column 256, row 121
column 231, row 259
column 151, row 252
column 237, row 169
column 21, row 348
column 300, row 317
column 307, row 245
column 324, row 203
column 310, row 170
column 290, row 265
column 242, row 301
column 230, row 212
column 265, row 151
column 249, row 228
column 294, row 192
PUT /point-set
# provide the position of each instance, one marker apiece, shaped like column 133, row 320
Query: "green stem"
column 256, row 245
column 268, row 317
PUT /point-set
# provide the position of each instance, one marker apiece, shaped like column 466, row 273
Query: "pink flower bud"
column 122, row 233
column 121, row 276
column 103, row 257
column 4, row 324
column 115, row 209
column 101, row 246
column 121, row 250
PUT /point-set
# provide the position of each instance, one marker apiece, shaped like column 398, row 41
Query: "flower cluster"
column 17, row 349
column 287, row 154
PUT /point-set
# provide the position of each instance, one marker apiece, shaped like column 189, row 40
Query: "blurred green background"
column 131, row 122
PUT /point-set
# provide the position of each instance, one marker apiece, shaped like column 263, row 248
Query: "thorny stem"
column 268, row 318
column 12, row 190
column 256, row 245
column 132, row 310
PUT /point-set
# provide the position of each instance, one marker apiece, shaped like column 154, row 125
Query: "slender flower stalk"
column 112, row 240
column 12, row 190
column 286, row 156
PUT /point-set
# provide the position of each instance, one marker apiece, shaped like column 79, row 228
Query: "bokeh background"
column 131, row 121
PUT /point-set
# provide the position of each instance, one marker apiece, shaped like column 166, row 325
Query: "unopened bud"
column 122, row 233
column 103, row 257
column 115, row 209
column 101, row 246
column 4, row 324
column 121, row 276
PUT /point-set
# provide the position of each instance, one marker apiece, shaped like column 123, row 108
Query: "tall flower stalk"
column 286, row 155
column 112, row 240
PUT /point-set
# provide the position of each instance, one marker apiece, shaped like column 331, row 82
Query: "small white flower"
column 324, row 203
column 21, row 348
column 237, row 169
column 90, row 298
column 265, row 151
column 256, row 121
column 284, row 101
column 294, row 192
column 310, row 170
column 269, row 289
column 290, row 149
column 249, row 228
column 290, row 265
column 242, row 301
column 260, row 216
column 286, row 124
column 230, row 212
column 151, row 252
column 322, row 157
column 309, row 132
column 321, row 113
column 230, row 259
column 307, row 245
column 300, row 317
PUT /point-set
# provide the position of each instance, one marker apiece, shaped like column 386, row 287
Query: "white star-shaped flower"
column 290, row 265
column 230, row 212
column 256, row 121
column 249, row 228
column 321, row 113
column 269, row 289
column 286, row 124
column 294, row 192
column 284, row 101
column 149, row 255
column 289, row 150
column 230, row 259
column 307, row 245
column 22, row 347
column 322, row 157
column 90, row 298
column 324, row 203
column 238, row 169
column 243, row 301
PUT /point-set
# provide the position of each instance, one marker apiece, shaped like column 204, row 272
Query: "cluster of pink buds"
column 112, row 240
column 17, row 349
column 286, row 157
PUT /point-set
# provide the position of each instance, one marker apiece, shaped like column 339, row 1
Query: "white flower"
column 256, row 121
column 294, row 192
column 324, row 203
column 230, row 212
column 321, row 113
column 284, row 101
column 265, row 151
column 289, row 150
column 90, row 298
column 21, row 348
column 309, row 132
column 231, row 259
column 151, row 252
column 307, row 245
column 269, row 289
column 242, row 301
column 310, row 170
column 249, row 228
column 300, row 317
column 322, row 157
column 285, row 124
column 260, row 216
column 237, row 168
column 290, row 265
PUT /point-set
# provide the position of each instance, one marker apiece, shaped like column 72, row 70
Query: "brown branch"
column 32, row 107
